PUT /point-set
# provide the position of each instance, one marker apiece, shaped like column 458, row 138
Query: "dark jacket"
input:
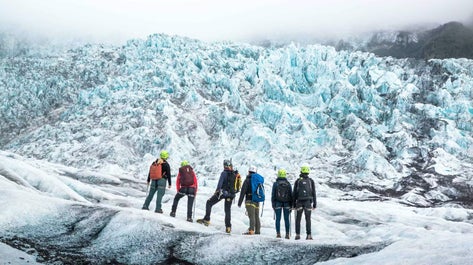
column 222, row 181
column 276, row 203
column 294, row 194
column 246, row 190
column 166, row 169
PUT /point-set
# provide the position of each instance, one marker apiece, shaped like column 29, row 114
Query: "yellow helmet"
column 305, row 169
column 282, row 173
column 164, row 154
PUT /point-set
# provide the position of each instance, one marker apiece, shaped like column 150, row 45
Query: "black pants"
column 228, row 205
column 306, row 208
column 190, row 192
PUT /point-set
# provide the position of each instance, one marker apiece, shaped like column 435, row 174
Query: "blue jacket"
column 222, row 181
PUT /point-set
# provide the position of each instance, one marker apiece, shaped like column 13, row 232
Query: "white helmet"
column 252, row 169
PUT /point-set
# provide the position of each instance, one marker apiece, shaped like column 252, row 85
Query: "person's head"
column 282, row 173
column 252, row 169
column 227, row 164
column 305, row 168
column 164, row 154
column 184, row 163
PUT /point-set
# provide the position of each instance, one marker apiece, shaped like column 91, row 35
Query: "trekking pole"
column 193, row 211
column 290, row 221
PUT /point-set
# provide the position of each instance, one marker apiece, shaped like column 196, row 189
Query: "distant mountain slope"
column 451, row 40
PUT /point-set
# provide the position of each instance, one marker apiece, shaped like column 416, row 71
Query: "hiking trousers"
column 306, row 208
column 228, row 206
column 190, row 192
column 159, row 187
column 252, row 208
column 285, row 210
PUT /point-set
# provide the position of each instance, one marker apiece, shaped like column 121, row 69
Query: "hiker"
column 159, row 173
column 186, row 184
column 281, row 200
column 304, row 200
column 226, row 190
column 252, row 207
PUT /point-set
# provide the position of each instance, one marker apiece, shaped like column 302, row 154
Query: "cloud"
column 119, row 20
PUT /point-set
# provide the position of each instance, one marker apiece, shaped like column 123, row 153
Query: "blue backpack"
column 257, row 188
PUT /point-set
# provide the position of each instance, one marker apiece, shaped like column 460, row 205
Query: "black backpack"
column 233, row 183
column 304, row 189
column 283, row 191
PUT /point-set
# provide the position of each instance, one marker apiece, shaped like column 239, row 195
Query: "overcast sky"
column 209, row 20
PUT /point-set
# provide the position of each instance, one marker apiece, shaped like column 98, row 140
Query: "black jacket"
column 245, row 190
column 166, row 169
column 314, row 195
column 274, row 202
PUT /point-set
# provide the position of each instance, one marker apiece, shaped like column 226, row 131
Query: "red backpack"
column 156, row 170
column 186, row 174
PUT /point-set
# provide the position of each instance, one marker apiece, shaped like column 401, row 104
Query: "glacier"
column 375, row 130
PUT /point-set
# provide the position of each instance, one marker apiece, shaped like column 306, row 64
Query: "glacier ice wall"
column 385, row 126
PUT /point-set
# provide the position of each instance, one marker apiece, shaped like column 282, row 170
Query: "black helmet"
column 227, row 163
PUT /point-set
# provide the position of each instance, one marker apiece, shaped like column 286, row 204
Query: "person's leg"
column 286, row 212
column 307, row 213
column 228, row 213
column 190, row 204
column 250, row 209
column 178, row 196
column 278, row 211
column 160, row 194
column 299, row 210
column 152, row 191
column 208, row 206
column 257, row 220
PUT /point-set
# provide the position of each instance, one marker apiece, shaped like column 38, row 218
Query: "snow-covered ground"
column 58, row 213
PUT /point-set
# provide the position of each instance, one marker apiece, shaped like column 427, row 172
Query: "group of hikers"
column 284, row 198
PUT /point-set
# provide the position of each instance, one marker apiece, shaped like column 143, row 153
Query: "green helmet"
column 164, row 154
column 281, row 173
column 184, row 163
column 305, row 169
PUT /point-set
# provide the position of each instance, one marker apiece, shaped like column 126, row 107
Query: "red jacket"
column 178, row 181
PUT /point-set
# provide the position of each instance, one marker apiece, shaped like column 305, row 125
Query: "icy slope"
column 370, row 127
column 62, row 215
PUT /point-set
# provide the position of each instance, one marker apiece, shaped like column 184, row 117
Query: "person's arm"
column 273, row 194
column 178, row 182
column 294, row 194
column 167, row 169
column 291, row 196
column 314, row 195
column 243, row 192
column 196, row 184
column 223, row 175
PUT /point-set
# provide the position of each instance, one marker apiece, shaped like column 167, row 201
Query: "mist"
column 115, row 21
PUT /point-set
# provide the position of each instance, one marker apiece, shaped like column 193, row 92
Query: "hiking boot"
column 249, row 232
column 228, row 230
column 145, row 208
column 159, row 211
column 278, row 235
column 204, row 222
column 190, row 220
column 297, row 237
column 309, row 237
column 287, row 236
column 173, row 214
